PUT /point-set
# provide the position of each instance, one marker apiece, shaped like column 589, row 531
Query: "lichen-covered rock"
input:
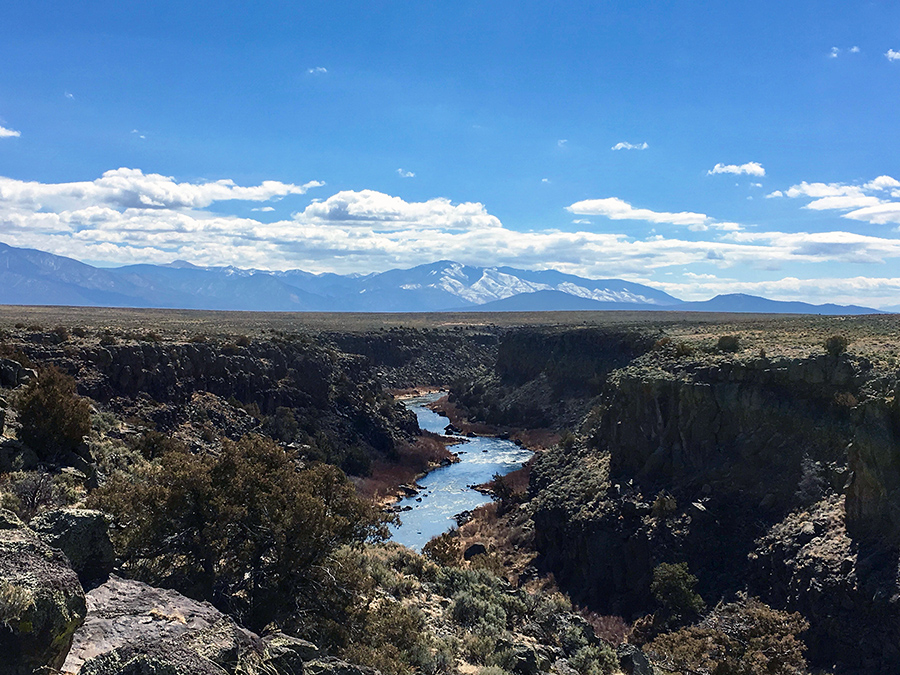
column 13, row 373
column 632, row 660
column 162, row 658
column 134, row 628
column 334, row 666
column 83, row 536
column 41, row 601
column 287, row 654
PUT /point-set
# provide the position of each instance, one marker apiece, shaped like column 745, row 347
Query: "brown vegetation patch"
column 413, row 460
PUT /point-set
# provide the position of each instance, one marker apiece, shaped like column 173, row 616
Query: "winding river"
column 446, row 490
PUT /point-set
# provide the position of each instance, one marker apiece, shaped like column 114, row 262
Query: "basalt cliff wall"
column 778, row 477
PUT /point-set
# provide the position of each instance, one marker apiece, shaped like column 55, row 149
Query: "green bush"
column 836, row 345
column 595, row 660
column 729, row 343
column 673, row 588
column 742, row 638
column 245, row 529
column 54, row 418
column 444, row 549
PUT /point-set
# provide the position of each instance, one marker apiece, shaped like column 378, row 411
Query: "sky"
column 698, row 147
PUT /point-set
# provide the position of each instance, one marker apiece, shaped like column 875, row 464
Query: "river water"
column 446, row 490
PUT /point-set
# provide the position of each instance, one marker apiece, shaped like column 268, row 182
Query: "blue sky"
column 350, row 136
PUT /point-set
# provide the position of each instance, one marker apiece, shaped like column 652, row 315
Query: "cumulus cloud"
column 9, row 133
column 750, row 168
column 874, row 292
column 562, row 142
column 834, row 52
column 630, row 146
column 131, row 188
column 892, row 55
column 871, row 202
column 405, row 174
column 618, row 209
column 126, row 216
column 318, row 70
column 854, row 49
column 378, row 211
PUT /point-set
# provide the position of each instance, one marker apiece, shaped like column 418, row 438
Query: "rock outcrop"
column 873, row 494
column 83, row 535
column 41, row 601
column 135, row 628
column 13, row 373
column 714, row 462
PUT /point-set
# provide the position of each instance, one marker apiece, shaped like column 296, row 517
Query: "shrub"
column 54, row 418
column 673, row 588
column 595, row 660
column 743, row 638
column 14, row 602
column 729, row 343
column 836, row 345
column 444, row 549
column 245, row 529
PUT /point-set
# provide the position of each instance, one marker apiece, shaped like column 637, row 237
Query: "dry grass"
column 413, row 461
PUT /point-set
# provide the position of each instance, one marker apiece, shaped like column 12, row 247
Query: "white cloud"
column 9, row 133
column 857, row 200
column 405, row 174
column 264, row 209
column 867, row 291
column 750, row 168
column 618, row 209
column 545, row 180
column 131, row 188
column 562, row 142
column 630, row 146
column 776, row 193
column 378, row 211
column 318, row 70
column 892, row 55
column 834, row 52
column 882, row 183
column 150, row 218
column 854, row 49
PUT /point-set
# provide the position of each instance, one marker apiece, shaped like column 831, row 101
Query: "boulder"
column 83, row 535
column 162, row 658
column 334, row 666
column 41, row 601
column 133, row 628
column 632, row 660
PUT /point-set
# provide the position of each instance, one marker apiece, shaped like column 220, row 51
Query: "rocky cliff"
column 723, row 463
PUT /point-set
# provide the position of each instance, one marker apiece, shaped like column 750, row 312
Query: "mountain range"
column 32, row 277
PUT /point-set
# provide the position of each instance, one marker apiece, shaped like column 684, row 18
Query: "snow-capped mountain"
column 34, row 277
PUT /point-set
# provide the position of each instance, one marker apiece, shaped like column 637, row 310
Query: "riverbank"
column 431, row 505
column 536, row 440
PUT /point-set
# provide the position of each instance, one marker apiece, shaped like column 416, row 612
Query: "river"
column 446, row 490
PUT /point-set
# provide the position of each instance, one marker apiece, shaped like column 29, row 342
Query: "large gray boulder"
column 135, row 628
column 13, row 373
column 83, row 535
column 41, row 601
